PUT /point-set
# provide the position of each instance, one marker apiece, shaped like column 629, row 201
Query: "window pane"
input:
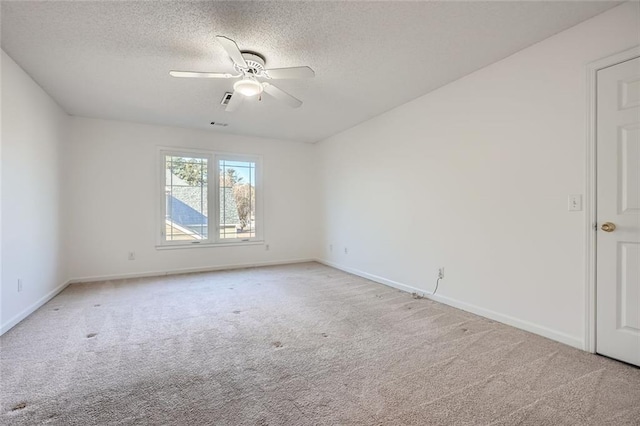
column 237, row 199
column 186, row 198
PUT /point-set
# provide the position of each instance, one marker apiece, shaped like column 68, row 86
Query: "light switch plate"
column 575, row 203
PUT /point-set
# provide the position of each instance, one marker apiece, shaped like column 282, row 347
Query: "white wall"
column 112, row 185
column 475, row 177
column 32, row 142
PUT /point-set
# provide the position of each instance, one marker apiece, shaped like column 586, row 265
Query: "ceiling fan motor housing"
column 255, row 64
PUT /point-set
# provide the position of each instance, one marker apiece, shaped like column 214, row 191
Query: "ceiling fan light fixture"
column 248, row 87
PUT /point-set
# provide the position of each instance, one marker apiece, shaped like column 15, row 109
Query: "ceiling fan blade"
column 281, row 95
column 232, row 49
column 292, row 72
column 195, row 74
column 234, row 102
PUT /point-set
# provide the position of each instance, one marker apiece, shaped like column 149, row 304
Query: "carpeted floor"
column 297, row 345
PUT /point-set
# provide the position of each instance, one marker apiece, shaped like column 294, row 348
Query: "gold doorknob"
column 608, row 227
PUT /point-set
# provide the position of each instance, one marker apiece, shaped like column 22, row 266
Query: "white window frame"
column 258, row 186
column 213, row 198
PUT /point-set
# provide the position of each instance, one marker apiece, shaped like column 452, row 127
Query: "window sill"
column 207, row 245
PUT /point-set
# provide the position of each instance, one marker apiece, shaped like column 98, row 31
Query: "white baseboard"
column 375, row 278
column 32, row 308
column 549, row 333
column 487, row 313
column 187, row 270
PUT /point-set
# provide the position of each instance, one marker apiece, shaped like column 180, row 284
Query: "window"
column 237, row 199
column 198, row 209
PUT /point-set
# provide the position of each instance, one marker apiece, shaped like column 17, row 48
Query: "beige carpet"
column 297, row 345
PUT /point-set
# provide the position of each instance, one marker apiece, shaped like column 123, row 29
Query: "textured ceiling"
column 111, row 59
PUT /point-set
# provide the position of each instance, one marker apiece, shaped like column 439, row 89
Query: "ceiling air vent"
column 217, row 123
column 226, row 98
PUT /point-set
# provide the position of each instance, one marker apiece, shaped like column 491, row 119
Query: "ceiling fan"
column 250, row 67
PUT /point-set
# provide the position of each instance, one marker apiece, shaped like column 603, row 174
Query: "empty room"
column 320, row 213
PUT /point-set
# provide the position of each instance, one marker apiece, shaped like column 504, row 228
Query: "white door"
column 618, row 212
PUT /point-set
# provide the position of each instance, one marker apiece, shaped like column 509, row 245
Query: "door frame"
column 590, row 190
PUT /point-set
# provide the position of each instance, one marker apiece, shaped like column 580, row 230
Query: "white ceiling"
column 111, row 59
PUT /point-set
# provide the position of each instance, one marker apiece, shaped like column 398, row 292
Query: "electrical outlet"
column 266, row 247
column 346, row 250
column 330, row 247
column 132, row 255
column 441, row 273
column 19, row 285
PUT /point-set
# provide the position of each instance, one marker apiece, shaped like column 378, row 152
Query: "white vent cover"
column 226, row 98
